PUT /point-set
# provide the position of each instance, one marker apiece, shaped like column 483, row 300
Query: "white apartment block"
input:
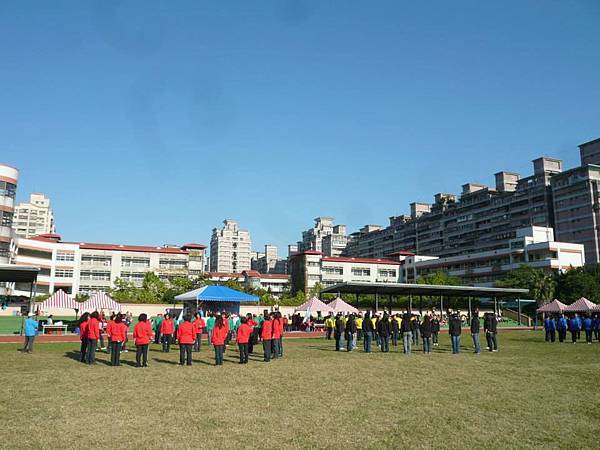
column 312, row 267
column 34, row 217
column 8, row 189
column 533, row 246
column 268, row 261
column 275, row 284
column 324, row 237
column 230, row 248
column 83, row 268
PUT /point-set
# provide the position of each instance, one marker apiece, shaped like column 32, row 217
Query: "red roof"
column 50, row 237
column 224, row 274
column 360, row 260
column 194, row 246
column 252, row 273
column 278, row 276
column 401, row 253
column 132, row 248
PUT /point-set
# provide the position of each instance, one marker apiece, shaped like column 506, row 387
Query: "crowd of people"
column 185, row 331
column 407, row 328
column 573, row 324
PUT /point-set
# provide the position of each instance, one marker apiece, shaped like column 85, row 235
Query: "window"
column 361, row 272
column 87, row 290
column 63, row 273
column 132, row 276
column 173, row 264
column 127, row 261
column 65, row 256
column 387, row 273
column 6, row 218
column 8, row 189
column 94, row 275
column 333, row 270
column 96, row 260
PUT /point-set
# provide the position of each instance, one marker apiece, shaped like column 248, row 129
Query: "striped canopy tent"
column 555, row 306
column 314, row 305
column 581, row 305
column 340, row 306
column 60, row 299
column 98, row 301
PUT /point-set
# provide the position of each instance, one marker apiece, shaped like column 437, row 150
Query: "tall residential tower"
column 230, row 248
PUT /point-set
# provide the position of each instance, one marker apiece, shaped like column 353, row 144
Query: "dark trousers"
column 562, row 334
column 385, row 343
column 588, row 336
column 550, row 335
column 243, row 353
column 141, row 355
column 108, row 346
column 329, row 333
column 597, row 334
column 338, row 338
column 395, row 338
column 91, row 351
column 115, row 353
column 275, row 348
column 219, row 350
column 166, row 343
column 359, row 335
column 280, row 347
column 492, row 340
column 434, row 337
column 574, row 336
column 185, row 354
column 28, row 346
column 157, row 337
column 198, row 342
column 83, row 350
column 267, row 348
column 367, row 342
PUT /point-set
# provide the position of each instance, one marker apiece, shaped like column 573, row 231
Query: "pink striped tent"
column 340, row 306
column 100, row 300
column 60, row 299
column 555, row 306
column 581, row 305
column 313, row 305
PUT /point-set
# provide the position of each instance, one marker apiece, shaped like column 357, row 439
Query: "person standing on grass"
column 359, row 322
column 561, row 327
column 210, row 325
column 416, row 329
column 426, row 328
column 167, row 328
column 455, row 329
column 219, row 335
column 350, row 331
column 102, row 327
column 597, row 326
column 116, row 330
column 587, row 327
column 435, row 331
column 383, row 329
column 199, row 326
column 280, row 324
column 491, row 332
column 186, row 336
column 156, row 327
column 395, row 329
column 367, row 331
column 405, row 328
column 142, row 335
column 329, row 326
column 243, row 337
column 83, row 335
column 266, row 334
column 93, row 336
column 475, row 327
column 253, row 324
column 31, row 331
column 339, row 330
column 550, row 328
column 276, row 336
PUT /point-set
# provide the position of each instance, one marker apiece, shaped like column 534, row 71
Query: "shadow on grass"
column 166, row 361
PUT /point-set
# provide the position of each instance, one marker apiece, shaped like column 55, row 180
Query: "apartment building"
column 230, row 248
column 8, row 189
column 34, row 217
column 532, row 246
column 83, row 268
column 311, row 267
column 324, row 237
column 276, row 284
column 268, row 261
column 481, row 219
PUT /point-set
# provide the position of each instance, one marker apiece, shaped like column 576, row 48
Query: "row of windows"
column 94, row 275
column 7, row 189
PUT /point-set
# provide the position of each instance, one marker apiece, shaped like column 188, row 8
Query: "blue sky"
column 151, row 122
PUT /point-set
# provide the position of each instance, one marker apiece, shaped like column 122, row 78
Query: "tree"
column 578, row 282
column 541, row 284
column 441, row 278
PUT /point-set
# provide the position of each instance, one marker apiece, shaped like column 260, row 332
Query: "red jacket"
column 93, row 330
column 199, row 325
column 167, row 326
column 142, row 333
column 186, row 332
column 243, row 333
column 277, row 328
column 83, row 327
column 252, row 323
column 266, row 332
column 219, row 335
column 116, row 331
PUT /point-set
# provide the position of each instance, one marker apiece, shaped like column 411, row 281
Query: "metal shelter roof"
column 18, row 274
column 424, row 289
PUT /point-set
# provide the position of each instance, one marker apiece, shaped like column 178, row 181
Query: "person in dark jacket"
column 588, row 326
column 415, row 328
column 550, row 328
column 455, row 329
column 561, row 327
column 426, row 328
column 395, row 329
column 490, row 327
column 350, row 331
column 475, row 326
column 367, row 331
column 405, row 328
column 383, row 328
column 435, row 331
column 339, row 331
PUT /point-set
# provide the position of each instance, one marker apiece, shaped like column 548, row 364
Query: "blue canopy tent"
column 215, row 298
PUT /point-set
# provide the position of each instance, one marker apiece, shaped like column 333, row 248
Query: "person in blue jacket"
column 31, row 331
column 596, row 322
column 579, row 324
column 574, row 328
column 587, row 327
column 550, row 327
column 561, row 326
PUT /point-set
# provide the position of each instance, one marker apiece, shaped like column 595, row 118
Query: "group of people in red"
column 268, row 328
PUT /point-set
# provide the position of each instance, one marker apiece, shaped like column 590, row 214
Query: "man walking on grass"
column 31, row 331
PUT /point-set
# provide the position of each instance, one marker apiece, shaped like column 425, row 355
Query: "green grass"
column 528, row 395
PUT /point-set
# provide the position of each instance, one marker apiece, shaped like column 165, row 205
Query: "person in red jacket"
column 83, row 327
column 219, row 336
column 186, row 335
column 266, row 334
column 278, row 329
column 116, row 330
column 254, row 335
column 199, row 325
column 243, row 337
column 93, row 334
column 167, row 328
column 142, row 335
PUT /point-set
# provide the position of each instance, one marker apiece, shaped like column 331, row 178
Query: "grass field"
column 529, row 394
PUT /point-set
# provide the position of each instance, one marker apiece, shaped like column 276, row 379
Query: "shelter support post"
column 441, row 307
column 469, row 315
column 519, row 310
column 376, row 301
column 410, row 302
column 495, row 306
column 390, row 304
column 420, row 305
